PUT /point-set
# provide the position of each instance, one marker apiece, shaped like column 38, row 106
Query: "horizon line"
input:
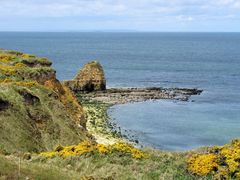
column 111, row 31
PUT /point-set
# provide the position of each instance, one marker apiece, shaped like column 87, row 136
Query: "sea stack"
column 90, row 78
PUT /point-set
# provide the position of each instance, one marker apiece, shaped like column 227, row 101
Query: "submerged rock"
column 90, row 78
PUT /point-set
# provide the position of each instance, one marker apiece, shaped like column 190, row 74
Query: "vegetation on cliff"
column 115, row 165
column 36, row 111
column 222, row 162
column 98, row 122
column 88, row 147
column 66, row 163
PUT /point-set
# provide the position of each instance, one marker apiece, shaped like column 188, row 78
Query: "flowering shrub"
column 19, row 65
column 202, row 164
column 127, row 148
column 6, row 58
column 27, row 56
column 9, row 70
column 26, row 83
column 103, row 149
column 87, row 147
column 223, row 162
column 19, row 83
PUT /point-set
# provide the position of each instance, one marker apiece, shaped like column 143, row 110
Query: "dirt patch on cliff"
column 29, row 98
column 4, row 105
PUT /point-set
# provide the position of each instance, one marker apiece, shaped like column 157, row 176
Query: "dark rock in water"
column 129, row 95
column 90, row 78
column 189, row 91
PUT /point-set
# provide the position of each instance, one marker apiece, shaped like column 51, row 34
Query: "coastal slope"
column 36, row 111
column 43, row 130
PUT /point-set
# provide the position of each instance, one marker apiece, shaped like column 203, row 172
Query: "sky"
column 120, row 15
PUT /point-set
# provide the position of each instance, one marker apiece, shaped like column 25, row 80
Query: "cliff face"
column 90, row 78
column 37, row 112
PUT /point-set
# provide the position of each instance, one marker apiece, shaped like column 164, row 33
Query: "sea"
column 208, row 61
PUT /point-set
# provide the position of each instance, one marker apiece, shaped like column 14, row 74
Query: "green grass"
column 37, row 126
column 32, row 117
column 159, row 165
column 12, row 168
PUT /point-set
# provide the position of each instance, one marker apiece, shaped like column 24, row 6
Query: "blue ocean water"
column 210, row 61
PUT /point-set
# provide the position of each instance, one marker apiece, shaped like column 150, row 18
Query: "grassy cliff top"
column 36, row 112
column 17, row 66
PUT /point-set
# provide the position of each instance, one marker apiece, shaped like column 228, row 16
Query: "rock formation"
column 90, row 78
column 37, row 112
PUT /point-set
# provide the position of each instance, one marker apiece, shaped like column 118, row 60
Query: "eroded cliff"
column 37, row 112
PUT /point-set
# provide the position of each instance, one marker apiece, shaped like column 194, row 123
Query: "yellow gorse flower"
column 87, row 147
column 9, row 70
column 27, row 56
column 123, row 147
column 202, row 164
column 6, row 58
column 223, row 162
column 26, row 83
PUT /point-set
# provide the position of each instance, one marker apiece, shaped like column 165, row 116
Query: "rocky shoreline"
column 96, row 104
column 91, row 82
column 89, row 85
column 131, row 95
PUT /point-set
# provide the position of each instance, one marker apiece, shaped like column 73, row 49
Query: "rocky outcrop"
column 129, row 95
column 90, row 78
column 37, row 112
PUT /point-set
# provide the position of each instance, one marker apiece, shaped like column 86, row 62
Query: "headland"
column 60, row 130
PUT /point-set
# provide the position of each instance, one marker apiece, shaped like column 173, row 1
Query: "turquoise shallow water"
column 210, row 61
column 174, row 126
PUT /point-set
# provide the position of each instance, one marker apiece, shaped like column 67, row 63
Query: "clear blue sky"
column 101, row 15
